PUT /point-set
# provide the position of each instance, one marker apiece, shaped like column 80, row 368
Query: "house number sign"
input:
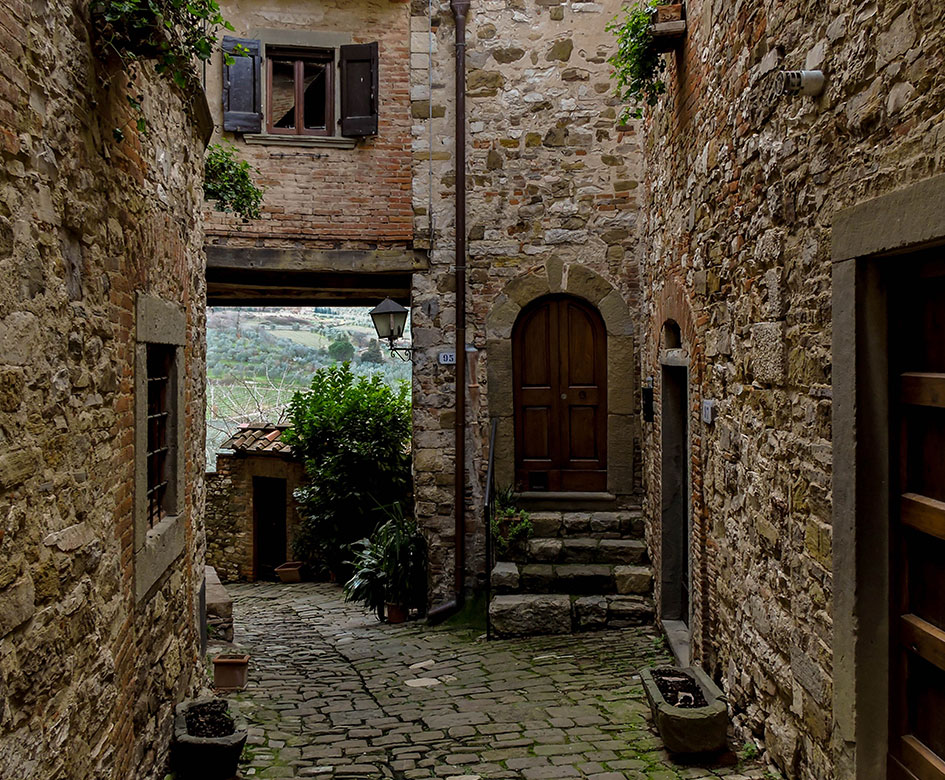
column 447, row 358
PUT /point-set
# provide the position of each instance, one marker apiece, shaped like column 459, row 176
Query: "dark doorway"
column 269, row 525
column 559, row 361
column 917, row 620
column 675, row 494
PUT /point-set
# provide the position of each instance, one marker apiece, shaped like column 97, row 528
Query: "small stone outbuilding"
column 251, row 513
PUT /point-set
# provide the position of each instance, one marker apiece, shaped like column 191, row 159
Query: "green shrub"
column 352, row 434
column 637, row 65
column 510, row 524
column 229, row 181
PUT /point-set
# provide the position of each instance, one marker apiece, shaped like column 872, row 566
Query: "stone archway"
column 577, row 280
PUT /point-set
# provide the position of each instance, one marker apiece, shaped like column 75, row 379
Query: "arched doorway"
column 559, row 367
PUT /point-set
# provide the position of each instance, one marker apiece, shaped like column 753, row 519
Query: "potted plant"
column 688, row 709
column 645, row 32
column 290, row 571
column 511, row 526
column 390, row 568
column 207, row 743
column 230, row 671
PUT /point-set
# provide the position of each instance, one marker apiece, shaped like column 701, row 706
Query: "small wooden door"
column 269, row 516
column 559, row 359
column 917, row 625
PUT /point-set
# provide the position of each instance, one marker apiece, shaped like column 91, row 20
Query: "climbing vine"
column 173, row 33
column 638, row 66
column 229, row 181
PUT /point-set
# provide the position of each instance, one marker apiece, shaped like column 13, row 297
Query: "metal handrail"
column 489, row 510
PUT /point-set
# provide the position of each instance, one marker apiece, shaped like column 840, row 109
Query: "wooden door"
column 917, row 624
column 559, row 359
column 269, row 513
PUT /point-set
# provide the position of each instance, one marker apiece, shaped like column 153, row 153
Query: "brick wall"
column 329, row 197
column 89, row 674
column 741, row 188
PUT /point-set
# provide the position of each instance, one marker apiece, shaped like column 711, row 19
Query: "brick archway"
column 577, row 280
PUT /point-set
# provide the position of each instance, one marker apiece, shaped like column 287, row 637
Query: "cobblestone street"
column 335, row 694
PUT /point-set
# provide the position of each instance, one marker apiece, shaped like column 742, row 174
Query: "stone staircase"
column 578, row 571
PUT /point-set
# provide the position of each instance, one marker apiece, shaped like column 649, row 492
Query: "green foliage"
column 391, row 566
column 341, row 349
column 229, row 181
column 510, row 523
column 749, row 752
column 174, row 33
column 352, row 434
column 373, row 353
column 637, row 65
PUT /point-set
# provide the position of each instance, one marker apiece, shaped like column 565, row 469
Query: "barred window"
column 160, row 423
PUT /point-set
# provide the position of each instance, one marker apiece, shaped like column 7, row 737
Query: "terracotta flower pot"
column 396, row 613
column 229, row 672
column 291, row 571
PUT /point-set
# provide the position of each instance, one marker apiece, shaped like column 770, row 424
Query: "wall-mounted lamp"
column 801, row 82
column 390, row 320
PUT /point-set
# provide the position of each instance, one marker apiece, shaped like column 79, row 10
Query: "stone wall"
column 229, row 511
column 552, row 205
column 742, row 185
column 356, row 195
column 89, row 673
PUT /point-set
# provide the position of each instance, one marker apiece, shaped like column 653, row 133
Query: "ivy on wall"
column 229, row 182
column 638, row 66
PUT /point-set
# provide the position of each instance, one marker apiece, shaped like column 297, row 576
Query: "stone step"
column 571, row 578
column 597, row 525
column 580, row 549
column 558, row 613
column 565, row 502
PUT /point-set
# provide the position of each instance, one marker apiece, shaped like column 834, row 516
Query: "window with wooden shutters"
column 242, row 90
column 359, row 89
column 300, row 89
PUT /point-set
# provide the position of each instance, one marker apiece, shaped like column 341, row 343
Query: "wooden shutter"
column 359, row 99
column 242, row 95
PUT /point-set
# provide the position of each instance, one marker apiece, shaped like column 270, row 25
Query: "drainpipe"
column 460, row 10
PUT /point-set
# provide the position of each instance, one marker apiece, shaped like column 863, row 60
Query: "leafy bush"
column 229, row 182
column 391, row 566
column 352, row 434
column 341, row 349
column 637, row 64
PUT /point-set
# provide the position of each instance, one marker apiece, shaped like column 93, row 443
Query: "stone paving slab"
column 335, row 694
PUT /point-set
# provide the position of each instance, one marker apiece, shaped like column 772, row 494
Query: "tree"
column 373, row 353
column 341, row 350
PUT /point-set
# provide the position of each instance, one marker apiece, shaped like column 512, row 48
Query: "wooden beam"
column 923, row 514
column 923, row 638
column 921, row 389
column 921, row 761
column 308, row 260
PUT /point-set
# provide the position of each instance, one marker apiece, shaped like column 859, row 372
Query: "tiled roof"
column 259, row 438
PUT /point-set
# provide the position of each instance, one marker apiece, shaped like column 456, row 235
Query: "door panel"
column 559, row 348
column 917, row 636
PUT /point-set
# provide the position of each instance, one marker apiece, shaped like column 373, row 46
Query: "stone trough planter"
column 290, row 571
column 701, row 729
column 204, row 758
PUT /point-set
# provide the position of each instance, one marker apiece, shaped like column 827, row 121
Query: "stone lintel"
column 241, row 258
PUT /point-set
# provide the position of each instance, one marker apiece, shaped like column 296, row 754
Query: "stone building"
column 101, row 404
column 359, row 208
column 788, row 282
column 251, row 515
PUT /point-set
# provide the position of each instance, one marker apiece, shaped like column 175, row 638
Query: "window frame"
column 163, row 324
column 300, row 55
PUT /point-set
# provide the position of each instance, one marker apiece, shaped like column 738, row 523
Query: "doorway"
column 269, row 526
column 559, row 366
column 675, row 498
column 917, row 532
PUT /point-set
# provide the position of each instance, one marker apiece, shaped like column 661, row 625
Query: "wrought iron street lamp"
column 390, row 320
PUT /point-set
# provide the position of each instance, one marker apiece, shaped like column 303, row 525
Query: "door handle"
column 564, row 396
